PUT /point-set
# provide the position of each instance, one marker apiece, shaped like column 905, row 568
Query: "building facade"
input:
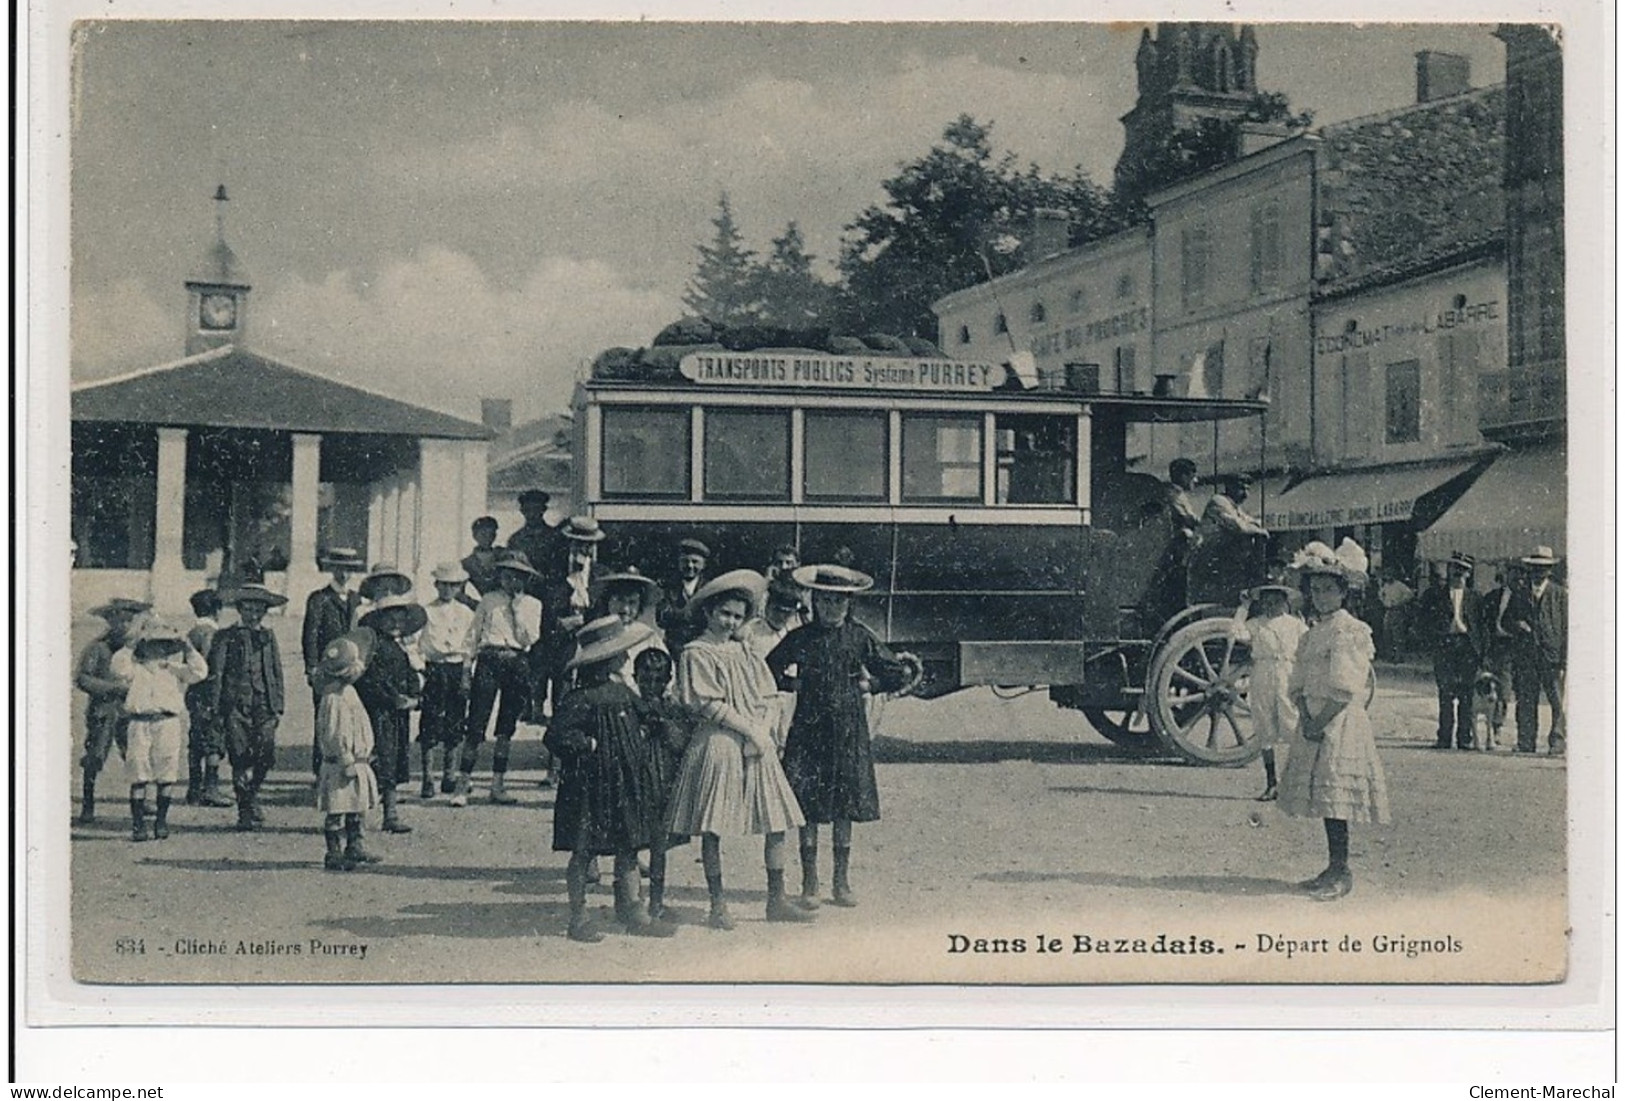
column 228, row 464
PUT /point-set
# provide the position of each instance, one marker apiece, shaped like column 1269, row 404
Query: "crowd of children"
column 755, row 727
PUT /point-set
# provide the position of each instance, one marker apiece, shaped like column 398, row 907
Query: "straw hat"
column 833, row 579
column 158, row 636
column 602, row 583
column 416, row 616
column 1271, row 587
column 346, row 657
column 749, row 581
column 120, row 606
column 450, row 573
column 342, row 558
column 605, row 638
column 1542, row 556
column 254, row 593
column 380, row 572
column 582, row 529
column 518, row 562
column 1462, row 561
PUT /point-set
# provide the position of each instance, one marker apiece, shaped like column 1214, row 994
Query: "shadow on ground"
column 888, row 750
column 1197, row 884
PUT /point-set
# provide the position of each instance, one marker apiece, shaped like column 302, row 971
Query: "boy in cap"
column 329, row 612
column 506, row 625
column 204, row 748
column 673, row 617
column 444, row 645
column 246, row 696
column 157, row 666
column 93, row 675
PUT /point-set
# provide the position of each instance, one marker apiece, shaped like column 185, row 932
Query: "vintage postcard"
column 1030, row 504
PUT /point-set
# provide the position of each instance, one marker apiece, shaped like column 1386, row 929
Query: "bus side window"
column 1037, row 459
column 646, row 453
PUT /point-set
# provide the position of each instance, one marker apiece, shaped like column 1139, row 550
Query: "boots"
column 160, row 824
column 629, row 909
column 87, row 800
column 719, row 918
column 843, row 890
column 336, row 860
column 465, row 784
column 354, row 851
column 809, row 878
column 499, row 789
column 392, row 821
column 194, row 782
column 426, row 790
column 582, row 929
column 448, row 772
column 780, row 908
column 247, row 819
column 138, row 819
column 212, row 795
column 1340, row 883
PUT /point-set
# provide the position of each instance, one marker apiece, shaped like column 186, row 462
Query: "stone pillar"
column 168, row 580
column 303, row 573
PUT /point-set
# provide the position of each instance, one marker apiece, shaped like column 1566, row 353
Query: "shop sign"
column 899, row 374
column 1130, row 321
column 1379, row 512
column 1443, row 321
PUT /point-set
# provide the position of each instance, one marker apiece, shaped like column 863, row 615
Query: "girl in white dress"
column 1332, row 770
column 1275, row 635
column 730, row 781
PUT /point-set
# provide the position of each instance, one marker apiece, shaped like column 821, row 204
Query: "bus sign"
column 794, row 369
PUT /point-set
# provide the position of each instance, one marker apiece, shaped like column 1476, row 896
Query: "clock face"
column 218, row 311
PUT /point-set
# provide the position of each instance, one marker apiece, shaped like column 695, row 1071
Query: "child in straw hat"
column 389, row 689
column 157, row 666
column 827, row 755
column 609, row 800
column 246, row 696
column 93, row 675
column 347, row 787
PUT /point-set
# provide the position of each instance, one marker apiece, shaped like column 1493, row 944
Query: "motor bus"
column 1010, row 544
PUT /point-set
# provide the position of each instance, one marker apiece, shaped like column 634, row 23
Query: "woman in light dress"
column 1332, row 770
column 730, row 781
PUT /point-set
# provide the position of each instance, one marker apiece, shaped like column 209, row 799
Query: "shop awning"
column 1378, row 496
column 1521, row 501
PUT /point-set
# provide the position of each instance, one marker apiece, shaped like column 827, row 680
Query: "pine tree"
column 724, row 288
column 790, row 295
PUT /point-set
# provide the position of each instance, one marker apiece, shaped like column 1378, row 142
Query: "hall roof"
column 232, row 387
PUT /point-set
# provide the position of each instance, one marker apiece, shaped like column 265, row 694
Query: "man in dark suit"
column 1539, row 615
column 329, row 611
column 673, row 617
column 539, row 541
column 566, row 602
column 1451, row 619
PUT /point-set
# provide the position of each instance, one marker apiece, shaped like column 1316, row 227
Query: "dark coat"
column 827, row 756
column 609, row 791
column 1541, row 624
column 389, row 675
column 545, row 547
column 673, row 618
column 244, row 669
column 327, row 616
column 1434, row 616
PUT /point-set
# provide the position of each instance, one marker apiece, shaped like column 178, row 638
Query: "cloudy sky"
column 446, row 211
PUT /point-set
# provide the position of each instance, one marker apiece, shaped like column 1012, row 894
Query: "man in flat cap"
column 539, row 541
column 673, row 617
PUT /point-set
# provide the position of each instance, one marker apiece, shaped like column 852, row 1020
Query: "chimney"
column 1051, row 233
column 496, row 413
column 1439, row 75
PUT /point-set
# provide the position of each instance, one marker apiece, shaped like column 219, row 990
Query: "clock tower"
column 217, row 294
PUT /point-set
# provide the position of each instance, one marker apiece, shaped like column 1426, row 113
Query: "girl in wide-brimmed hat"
column 730, row 781
column 631, row 597
column 347, row 787
column 1332, row 770
column 156, row 667
column 1275, row 634
column 609, row 799
column 390, row 688
column 827, row 754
